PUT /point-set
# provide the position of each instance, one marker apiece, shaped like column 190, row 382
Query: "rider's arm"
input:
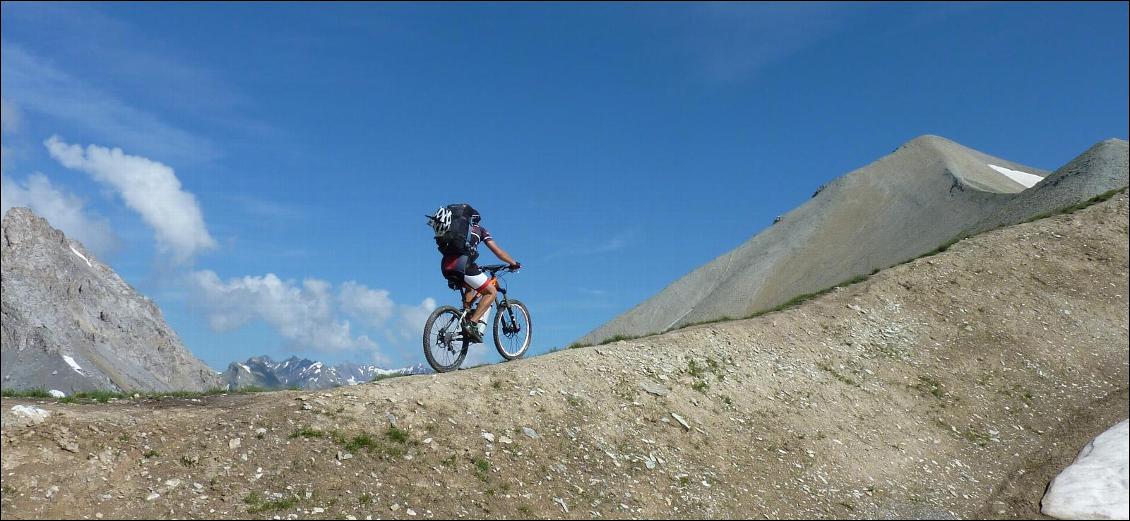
column 499, row 252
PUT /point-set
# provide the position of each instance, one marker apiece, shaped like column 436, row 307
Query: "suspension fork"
column 503, row 303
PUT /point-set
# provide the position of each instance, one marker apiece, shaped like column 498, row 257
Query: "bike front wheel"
column 513, row 329
column 444, row 345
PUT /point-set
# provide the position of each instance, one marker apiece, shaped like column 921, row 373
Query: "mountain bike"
column 445, row 338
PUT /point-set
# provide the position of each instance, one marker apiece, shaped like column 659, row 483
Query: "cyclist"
column 462, row 272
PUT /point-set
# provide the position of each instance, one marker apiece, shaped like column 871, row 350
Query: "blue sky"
column 262, row 170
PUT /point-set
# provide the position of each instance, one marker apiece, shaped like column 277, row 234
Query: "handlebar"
column 494, row 268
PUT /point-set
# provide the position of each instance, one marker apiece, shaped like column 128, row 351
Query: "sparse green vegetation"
column 25, row 393
column 306, row 432
column 360, row 441
column 396, row 434
column 980, row 438
column 365, row 499
column 836, row 374
column 388, row 376
column 695, row 370
column 102, row 396
column 482, row 467
column 700, row 386
column 150, row 454
column 390, row 444
column 255, row 503
column 1076, row 207
column 929, row 385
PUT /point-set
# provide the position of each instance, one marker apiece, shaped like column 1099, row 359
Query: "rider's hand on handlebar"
column 516, row 266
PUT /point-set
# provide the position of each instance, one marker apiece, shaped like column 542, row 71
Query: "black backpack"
column 452, row 226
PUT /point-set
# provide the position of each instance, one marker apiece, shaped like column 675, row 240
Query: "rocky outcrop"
column 926, row 194
column 71, row 323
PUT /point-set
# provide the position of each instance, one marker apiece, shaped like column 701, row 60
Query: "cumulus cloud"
column 372, row 306
column 63, row 210
column 411, row 319
column 310, row 314
column 302, row 313
column 149, row 188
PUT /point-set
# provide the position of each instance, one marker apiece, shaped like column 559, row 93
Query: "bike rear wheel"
column 444, row 345
column 513, row 329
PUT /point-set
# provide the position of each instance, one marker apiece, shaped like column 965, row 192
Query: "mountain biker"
column 462, row 272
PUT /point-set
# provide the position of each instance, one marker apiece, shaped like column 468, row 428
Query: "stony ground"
column 953, row 386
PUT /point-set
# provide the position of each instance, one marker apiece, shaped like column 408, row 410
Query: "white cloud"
column 303, row 314
column 148, row 187
column 372, row 306
column 63, row 210
column 309, row 315
column 411, row 319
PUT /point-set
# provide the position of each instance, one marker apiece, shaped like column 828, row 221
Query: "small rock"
column 653, row 388
column 55, row 393
column 427, row 441
column 342, row 456
column 410, row 512
column 561, row 502
column 172, row 483
column 261, row 431
column 34, row 415
column 532, row 434
column 152, row 496
column 681, row 421
column 317, row 510
column 234, row 443
column 51, row 491
column 394, row 507
column 488, row 436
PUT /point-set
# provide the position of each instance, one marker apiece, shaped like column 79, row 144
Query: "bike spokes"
column 512, row 330
column 444, row 345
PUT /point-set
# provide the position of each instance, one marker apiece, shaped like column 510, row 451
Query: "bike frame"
column 500, row 303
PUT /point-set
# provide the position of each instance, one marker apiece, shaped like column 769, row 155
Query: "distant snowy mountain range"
column 294, row 372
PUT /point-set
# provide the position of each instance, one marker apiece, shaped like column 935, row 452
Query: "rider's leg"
column 488, row 293
column 468, row 297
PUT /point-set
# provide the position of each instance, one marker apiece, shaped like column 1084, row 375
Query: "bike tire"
column 433, row 339
column 499, row 334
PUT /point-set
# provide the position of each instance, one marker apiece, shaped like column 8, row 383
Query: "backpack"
column 452, row 227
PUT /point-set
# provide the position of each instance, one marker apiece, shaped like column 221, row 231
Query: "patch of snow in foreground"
column 81, row 256
column 1095, row 485
column 71, row 362
column 1024, row 178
